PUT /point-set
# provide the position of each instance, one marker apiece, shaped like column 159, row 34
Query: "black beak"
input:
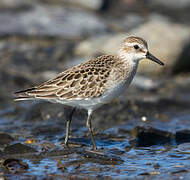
column 153, row 58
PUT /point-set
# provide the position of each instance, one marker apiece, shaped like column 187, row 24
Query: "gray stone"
column 52, row 21
column 94, row 5
column 176, row 4
column 128, row 22
column 165, row 39
column 145, row 83
column 132, row 20
column 102, row 44
column 15, row 4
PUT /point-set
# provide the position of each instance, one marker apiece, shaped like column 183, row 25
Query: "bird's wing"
column 84, row 81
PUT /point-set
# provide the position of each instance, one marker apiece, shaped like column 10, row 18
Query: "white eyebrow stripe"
column 134, row 43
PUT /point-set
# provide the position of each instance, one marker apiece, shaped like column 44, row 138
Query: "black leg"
column 69, row 118
column 88, row 124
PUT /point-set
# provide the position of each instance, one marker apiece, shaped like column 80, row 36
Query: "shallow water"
column 121, row 153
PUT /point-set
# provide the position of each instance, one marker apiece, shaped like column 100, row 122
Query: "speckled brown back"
column 86, row 80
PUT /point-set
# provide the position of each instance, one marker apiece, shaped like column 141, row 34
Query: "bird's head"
column 134, row 49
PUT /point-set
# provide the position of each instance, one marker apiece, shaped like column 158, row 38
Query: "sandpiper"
column 91, row 84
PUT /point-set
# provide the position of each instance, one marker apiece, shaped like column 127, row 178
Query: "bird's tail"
column 39, row 92
column 23, row 95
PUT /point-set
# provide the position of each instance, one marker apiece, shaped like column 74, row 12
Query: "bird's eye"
column 136, row 46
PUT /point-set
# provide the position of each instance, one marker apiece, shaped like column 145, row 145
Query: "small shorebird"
column 93, row 83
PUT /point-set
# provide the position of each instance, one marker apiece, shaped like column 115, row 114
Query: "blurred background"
column 40, row 38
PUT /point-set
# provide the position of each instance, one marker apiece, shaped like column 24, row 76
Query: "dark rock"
column 1, row 153
column 151, row 136
column 59, row 152
column 182, row 63
column 120, row 7
column 18, row 148
column 47, row 130
column 182, row 136
column 15, row 165
column 149, row 173
column 178, row 170
column 5, row 139
column 116, row 151
column 100, row 157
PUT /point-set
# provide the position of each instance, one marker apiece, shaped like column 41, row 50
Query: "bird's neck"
column 126, row 57
column 127, row 65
